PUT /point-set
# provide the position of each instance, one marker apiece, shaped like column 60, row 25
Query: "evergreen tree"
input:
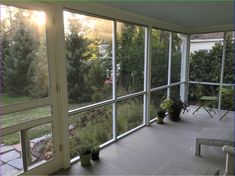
column 19, row 69
column 77, row 55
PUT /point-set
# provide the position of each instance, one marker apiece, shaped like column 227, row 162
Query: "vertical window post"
column 185, row 68
column 169, row 65
column 147, row 74
column 222, row 69
column 114, row 65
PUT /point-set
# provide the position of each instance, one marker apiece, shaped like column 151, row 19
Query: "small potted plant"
column 174, row 108
column 84, row 151
column 95, row 152
column 161, row 113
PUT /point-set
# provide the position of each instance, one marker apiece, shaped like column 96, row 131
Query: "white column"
column 169, row 65
column 147, row 74
column 222, row 69
column 185, row 68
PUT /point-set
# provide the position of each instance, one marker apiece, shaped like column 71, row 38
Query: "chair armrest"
column 228, row 149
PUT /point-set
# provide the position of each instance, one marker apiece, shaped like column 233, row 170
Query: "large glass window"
column 229, row 60
column 176, row 57
column 92, row 126
column 157, row 98
column 23, row 55
column 88, row 44
column 160, row 52
column 129, row 114
column 206, row 57
column 130, row 58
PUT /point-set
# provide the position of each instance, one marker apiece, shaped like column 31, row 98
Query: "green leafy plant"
column 161, row 113
column 84, row 148
column 174, row 107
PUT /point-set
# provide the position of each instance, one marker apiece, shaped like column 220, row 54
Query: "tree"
column 19, row 70
column 130, row 56
column 77, row 55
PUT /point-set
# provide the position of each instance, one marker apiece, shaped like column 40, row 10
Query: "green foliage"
column 19, row 64
column 130, row 56
column 173, row 105
column 161, row 113
column 77, row 55
column 206, row 67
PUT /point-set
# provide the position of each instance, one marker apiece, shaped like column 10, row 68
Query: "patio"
column 148, row 149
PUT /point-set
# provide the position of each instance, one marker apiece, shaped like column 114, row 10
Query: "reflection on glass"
column 24, row 116
column 156, row 98
column 24, row 67
column 88, row 44
column 130, row 58
column 93, row 126
column 206, row 57
column 11, row 155
column 160, row 52
column 41, row 144
column 129, row 114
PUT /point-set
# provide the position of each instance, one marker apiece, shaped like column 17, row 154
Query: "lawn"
column 22, row 116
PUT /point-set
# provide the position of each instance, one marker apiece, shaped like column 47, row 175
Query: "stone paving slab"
column 8, row 170
column 40, row 138
column 11, row 155
column 17, row 163
column 4, row 149
column 17, row 147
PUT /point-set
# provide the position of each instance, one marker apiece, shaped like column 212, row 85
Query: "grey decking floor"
column 146, row 150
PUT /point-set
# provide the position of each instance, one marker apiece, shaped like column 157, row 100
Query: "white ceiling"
column 190, row 15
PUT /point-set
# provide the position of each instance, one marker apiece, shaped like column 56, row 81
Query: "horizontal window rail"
column 130, row 96
column 24, row 106
column 92, row 106
column 210, row 83
column 25, row 126
column 166, row 86
column 103, row 103
column 130, row 131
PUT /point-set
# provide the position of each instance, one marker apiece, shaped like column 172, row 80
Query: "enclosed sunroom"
column 98, row 71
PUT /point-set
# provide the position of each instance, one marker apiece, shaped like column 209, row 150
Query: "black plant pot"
column 174, row 116
column 95, row 155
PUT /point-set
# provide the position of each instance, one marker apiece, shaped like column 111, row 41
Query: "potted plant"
column 95, row 152
column 174, row 107
column 84, row 151
column 161, row 113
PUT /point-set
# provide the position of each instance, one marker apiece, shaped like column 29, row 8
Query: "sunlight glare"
column 39, row 18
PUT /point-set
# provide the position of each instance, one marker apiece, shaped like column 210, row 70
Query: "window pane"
column 88, row 47
column 11, row 156
column 176, row 57
column 93, row 126
column 41, row 144
column 227, row 101
column 130, row 58
column 175, row 92
column 206, row 57
column 160, row 52
column 129, row 114
column 197, row 90
column 24, row 67
column 156, row 98
column 24, row 116
column 229, row 60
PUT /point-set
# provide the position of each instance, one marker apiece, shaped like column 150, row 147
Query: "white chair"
column 230, row 151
